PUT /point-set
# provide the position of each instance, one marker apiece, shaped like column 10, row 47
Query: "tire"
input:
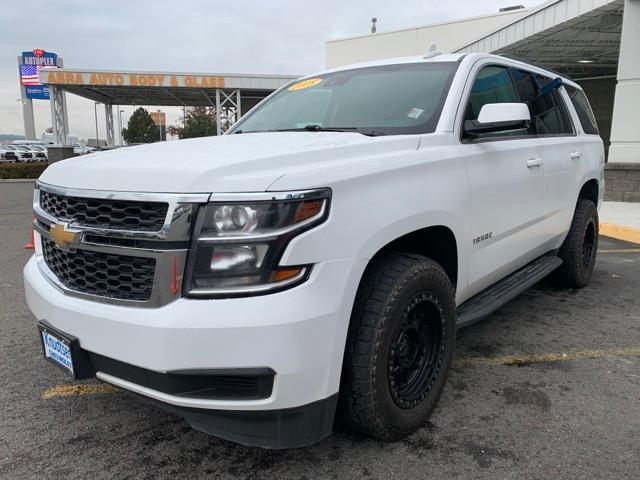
column 579, row 250
column 386, row 392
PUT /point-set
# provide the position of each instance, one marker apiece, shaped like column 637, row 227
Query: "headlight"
column 238, row 243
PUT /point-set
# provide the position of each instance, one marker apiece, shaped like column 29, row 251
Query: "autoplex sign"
column 129, row 79
column 29, row 67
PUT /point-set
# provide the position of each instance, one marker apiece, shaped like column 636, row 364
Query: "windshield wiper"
column 319, row 128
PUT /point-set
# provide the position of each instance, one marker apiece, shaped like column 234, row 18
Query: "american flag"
column 29, row 74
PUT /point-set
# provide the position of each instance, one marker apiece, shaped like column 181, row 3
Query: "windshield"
column 381, row 100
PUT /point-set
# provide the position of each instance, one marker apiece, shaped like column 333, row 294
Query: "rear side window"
column 583, row 109
column 549, row 115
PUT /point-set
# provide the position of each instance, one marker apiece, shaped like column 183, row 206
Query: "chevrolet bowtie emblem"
column 61, row 236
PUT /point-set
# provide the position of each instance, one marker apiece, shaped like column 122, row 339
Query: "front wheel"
column 578, row 252
column 399, row 348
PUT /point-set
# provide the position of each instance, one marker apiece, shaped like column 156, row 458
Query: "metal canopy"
column 580, row 39
column 229, row 94
column 119, row 87
column 161, row 96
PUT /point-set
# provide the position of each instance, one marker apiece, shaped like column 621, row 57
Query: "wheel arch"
column 590, row 190
column 438, row 242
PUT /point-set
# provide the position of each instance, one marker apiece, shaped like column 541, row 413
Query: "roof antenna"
column 432, row 52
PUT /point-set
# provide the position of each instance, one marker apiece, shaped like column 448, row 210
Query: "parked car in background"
column 24, row 153
column 8, row 154
column 82, row 149
column 39, row 152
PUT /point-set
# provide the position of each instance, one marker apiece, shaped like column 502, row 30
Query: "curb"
column 17, row 180
column 619, row 232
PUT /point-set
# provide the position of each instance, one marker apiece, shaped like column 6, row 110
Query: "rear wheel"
column 578, row 252
column 399, row 348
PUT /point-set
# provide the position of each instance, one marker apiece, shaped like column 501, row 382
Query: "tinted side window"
column 548, row 112
column 493, row 84
column 583, row 109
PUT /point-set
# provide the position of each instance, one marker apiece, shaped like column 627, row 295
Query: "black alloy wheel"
column 399, row 346
column 416, row 351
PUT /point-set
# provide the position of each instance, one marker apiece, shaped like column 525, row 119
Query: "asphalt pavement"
column 547, row 387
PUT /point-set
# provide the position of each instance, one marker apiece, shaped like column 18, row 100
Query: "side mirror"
column 499, row 117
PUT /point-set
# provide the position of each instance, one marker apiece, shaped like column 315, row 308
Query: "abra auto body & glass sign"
column 130, row 79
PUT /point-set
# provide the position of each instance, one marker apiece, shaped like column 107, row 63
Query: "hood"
column 248, row 162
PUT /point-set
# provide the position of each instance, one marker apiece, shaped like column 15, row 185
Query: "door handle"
column 576, row 155
column 534, row 162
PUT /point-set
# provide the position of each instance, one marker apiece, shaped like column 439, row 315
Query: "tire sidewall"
column 415, row 282
column 589, row 217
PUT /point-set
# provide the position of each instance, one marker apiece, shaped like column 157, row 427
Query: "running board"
column 494, row 297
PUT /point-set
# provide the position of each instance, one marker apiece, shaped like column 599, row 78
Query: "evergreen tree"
column 198, row 122
column 140, row 128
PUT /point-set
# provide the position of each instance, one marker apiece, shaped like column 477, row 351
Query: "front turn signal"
column 283, row 274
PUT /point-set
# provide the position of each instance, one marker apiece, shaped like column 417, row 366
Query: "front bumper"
column 298, row 333
column 281, row 428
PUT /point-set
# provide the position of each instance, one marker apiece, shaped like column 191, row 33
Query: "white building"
column 595, row 42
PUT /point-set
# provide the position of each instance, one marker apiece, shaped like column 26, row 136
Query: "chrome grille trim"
column 176, row 231
column 105, row 212
column 174, row 227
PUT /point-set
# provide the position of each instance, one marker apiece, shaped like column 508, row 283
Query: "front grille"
column 96, row 273
column 105, row 213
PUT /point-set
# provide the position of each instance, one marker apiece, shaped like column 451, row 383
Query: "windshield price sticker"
column 415, row 112
column 311, row 82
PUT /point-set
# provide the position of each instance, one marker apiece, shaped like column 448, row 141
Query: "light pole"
column 160, row 123
column 95, row 111
column 22, row 102
column 120, row 112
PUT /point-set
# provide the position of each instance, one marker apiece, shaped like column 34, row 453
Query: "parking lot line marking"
column 70, row 390
column 548, row 357
column 620, row 250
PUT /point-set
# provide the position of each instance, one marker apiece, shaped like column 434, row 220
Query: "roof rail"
column 535, row 64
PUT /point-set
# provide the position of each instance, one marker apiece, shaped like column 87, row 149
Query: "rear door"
column 506, row 180
column 552, row 124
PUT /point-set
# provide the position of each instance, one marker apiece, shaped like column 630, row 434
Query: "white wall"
column 447, row 36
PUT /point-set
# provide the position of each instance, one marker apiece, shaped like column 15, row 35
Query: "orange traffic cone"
column 31, row 244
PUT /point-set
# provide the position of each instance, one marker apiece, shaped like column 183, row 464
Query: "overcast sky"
column 275, row 36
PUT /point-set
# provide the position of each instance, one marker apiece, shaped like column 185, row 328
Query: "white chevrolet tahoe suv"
column 315, row 262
